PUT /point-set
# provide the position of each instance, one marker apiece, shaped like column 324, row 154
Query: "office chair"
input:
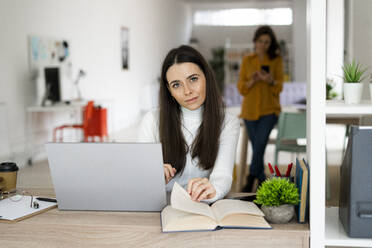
column 94, row 124
column 291, row 126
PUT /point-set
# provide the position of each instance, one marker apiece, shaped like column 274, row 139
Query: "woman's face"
column 263, row 43
column 187, row 84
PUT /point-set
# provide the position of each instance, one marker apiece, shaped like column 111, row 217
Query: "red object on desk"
column 277, row 172
column 271, row 169
column 94, row 124
column 288, row 172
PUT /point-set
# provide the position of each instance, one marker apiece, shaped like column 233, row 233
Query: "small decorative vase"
column 278, row 214
column 353, row 92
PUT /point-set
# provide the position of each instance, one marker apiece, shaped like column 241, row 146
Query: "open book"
column 184, row 214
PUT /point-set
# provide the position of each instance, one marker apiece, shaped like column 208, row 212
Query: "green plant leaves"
column 277, row 191
column 353, row 72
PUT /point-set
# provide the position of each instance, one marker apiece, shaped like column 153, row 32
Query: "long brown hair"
column 206, row 144
column 274, row 49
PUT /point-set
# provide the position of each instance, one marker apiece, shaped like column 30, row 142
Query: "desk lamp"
column 80, row 75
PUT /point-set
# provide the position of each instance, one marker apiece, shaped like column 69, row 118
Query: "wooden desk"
column 136, row 229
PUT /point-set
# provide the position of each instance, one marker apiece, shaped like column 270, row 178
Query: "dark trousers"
column 259, row 132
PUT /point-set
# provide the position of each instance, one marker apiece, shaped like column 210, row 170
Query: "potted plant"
column 278, row 196
column 330, row 93
column 353, row 88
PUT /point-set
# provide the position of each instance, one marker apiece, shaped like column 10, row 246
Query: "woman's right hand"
column 169, row 172
column 254, row 79
column 256, row 76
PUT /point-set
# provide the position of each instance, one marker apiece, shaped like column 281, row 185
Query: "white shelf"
column 335, row 234
column 339, row 107
column 57, row 107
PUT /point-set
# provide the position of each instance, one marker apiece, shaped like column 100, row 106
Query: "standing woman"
column 260, row 83
column 198, row 138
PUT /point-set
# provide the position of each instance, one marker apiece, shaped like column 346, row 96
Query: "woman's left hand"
column 200, row 189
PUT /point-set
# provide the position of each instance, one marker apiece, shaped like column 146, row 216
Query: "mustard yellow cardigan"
column 262, row 98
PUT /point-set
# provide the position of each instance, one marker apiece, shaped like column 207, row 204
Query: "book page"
column 181, row 200
column 174, row 220
column 245, row 221
column 223, row 208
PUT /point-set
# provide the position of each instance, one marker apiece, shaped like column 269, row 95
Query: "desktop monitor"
column 52, row 84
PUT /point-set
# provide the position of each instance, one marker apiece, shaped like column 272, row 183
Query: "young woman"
column 260, row 82
column 198, row 139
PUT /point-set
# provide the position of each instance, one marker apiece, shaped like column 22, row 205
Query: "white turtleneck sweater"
column 221, row 174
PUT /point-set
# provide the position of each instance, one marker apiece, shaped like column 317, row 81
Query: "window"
column 243, row 17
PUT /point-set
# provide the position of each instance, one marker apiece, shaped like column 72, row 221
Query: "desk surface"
column 135, row 229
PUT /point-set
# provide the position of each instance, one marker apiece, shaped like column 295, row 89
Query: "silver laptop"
column 107, row 176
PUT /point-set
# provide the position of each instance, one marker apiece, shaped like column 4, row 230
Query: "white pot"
column 370, row 90
column 353, row 92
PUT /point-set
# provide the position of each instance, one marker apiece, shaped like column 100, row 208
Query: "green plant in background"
column 217, row 63
column 353, row 72
column 276, row 192
column 330, row 94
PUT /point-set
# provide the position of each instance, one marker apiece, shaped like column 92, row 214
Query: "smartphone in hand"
column 265, row 68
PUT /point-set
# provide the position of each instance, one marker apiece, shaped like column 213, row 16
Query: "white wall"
column 93, row 29
column 360, row 36
column 4, row 139
column 299, row 41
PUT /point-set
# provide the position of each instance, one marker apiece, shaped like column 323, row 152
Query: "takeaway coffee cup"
column 8, row 176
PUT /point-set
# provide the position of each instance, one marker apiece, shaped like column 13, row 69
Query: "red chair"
column 94, row 124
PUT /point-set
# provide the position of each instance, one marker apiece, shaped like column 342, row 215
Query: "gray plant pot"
column 280, row 214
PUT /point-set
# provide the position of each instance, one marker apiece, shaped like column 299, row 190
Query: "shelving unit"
column 335, row 234
column 315, row 117
column 234, row 54
column 233, row 59
column 325, row 228
column 339, row 108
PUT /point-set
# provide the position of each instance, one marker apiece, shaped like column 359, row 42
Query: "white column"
column 335, row 43
column 316, row 76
